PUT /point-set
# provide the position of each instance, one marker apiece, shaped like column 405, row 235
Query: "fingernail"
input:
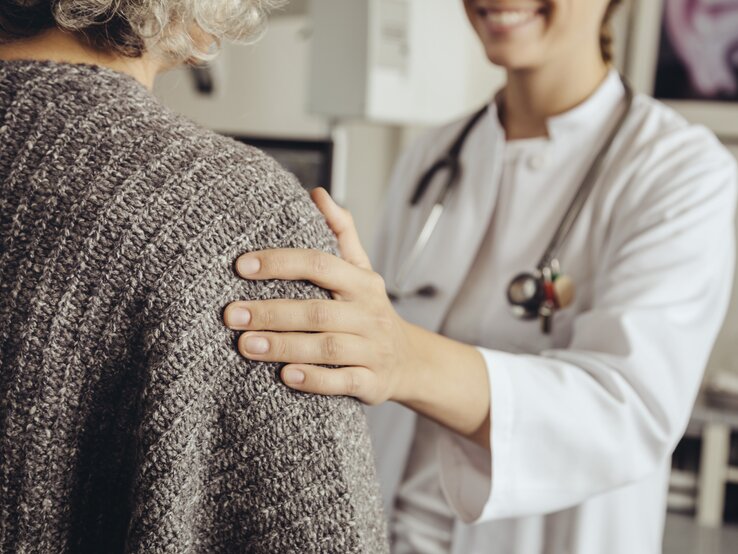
column 257, row 345
column 239, row 317
column 248, row 265
column 292, row 376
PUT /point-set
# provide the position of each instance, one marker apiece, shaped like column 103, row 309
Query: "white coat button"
column 537, row 161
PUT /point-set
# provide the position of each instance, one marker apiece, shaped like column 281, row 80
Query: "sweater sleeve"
column 229, row 459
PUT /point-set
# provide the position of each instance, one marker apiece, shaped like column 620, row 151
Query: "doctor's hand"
column 382, row 356
column 358, row 329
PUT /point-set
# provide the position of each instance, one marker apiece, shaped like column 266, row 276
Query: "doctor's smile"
column 200, row 350
column 501, row 17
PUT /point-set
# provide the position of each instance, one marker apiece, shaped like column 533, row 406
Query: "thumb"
column 342, row 224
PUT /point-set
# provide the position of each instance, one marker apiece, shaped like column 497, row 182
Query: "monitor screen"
column 309, row 160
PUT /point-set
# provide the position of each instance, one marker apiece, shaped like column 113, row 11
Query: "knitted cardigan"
column 128, row 421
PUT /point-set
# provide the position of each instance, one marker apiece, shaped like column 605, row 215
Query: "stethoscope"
column 531, row 295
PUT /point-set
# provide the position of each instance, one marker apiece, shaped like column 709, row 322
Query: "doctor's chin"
column 368, row 276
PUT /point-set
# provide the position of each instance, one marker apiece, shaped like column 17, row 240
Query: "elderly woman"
column 128, row 423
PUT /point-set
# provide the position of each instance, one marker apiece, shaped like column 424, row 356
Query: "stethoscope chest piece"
column 540, row 295
column 525, row 295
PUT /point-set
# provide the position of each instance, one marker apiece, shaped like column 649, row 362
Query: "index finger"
column 295, row 264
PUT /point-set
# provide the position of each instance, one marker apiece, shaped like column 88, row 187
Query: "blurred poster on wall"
column 698, row 51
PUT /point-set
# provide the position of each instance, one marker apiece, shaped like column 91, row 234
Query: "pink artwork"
column 698, row 53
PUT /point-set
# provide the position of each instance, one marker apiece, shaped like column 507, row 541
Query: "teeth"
column 509, row 17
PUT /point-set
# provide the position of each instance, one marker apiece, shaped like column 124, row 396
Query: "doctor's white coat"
column 583, row 420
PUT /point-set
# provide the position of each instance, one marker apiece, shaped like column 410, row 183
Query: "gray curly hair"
column 176, row 29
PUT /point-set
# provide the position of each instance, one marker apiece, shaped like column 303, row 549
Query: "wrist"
column 444, row 380
column 411, row 373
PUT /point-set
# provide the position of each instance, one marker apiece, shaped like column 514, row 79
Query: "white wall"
column 396, row 61
column 260, row 89
column 371, row 156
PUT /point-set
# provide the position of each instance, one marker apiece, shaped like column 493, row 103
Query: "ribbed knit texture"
column 128, row 421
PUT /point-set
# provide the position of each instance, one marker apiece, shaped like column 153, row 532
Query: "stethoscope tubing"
column 422, row 241
column 451, row 160
column 580, row 198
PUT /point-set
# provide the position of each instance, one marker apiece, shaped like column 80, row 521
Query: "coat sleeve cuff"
column 474, row 479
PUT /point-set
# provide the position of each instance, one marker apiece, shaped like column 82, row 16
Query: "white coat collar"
column 591, row 113
column 594, row 111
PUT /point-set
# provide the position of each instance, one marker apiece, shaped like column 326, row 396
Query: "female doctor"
column 547, row 433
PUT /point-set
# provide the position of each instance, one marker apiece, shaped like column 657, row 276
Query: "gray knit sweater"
column 128, row 421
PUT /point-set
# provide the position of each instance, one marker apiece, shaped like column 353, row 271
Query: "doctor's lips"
column 500, row 17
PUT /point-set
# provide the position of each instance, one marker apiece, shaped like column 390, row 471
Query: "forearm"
column 448, row 383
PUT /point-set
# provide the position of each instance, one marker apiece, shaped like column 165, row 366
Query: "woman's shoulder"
column 217, row 190
column 112, row 117
column 178, row 159
column 193, row 191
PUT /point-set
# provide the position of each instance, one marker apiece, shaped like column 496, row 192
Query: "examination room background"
column 261, row 93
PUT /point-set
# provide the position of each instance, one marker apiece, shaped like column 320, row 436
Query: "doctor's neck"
column 532, row 95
